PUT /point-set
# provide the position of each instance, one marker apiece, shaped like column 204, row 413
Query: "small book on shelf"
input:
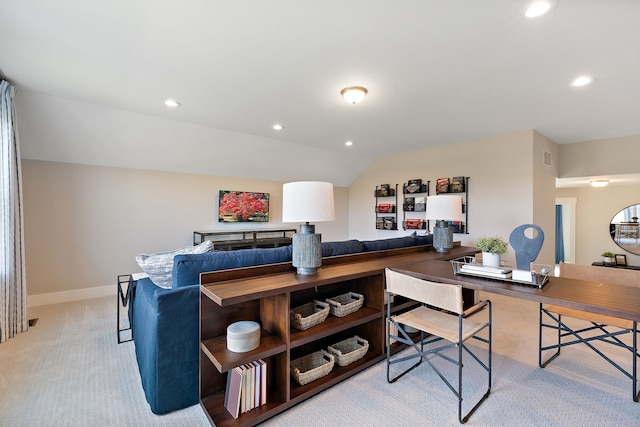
column 389, row 224
column 457, row 184
column 246, row 388
column 234, row 391
column 442, row 185
column 413, row 186
column 263, row 381
column 409, row 204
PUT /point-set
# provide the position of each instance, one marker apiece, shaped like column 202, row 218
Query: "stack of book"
column 246, row 388
column 486, row 271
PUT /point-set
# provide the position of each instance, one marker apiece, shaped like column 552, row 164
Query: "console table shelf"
column 230, row 240
column 266, row 294
column 223, row 359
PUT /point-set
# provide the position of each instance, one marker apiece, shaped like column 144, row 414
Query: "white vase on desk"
column 490, row 259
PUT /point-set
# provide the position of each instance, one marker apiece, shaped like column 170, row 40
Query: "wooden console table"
column 230, row 240
column 265, row 294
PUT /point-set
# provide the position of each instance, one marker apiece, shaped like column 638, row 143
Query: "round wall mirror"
column 625, row 229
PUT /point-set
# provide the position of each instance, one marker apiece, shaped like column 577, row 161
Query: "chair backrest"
column 441, row 295
column 592, row 273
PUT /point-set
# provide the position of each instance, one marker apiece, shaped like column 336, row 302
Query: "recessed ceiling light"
column 581, row 81
column 278, row 126
column 538, row 8
column 348, row 143
column 171, row 103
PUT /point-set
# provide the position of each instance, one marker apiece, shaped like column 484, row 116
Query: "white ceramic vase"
column 491, row 260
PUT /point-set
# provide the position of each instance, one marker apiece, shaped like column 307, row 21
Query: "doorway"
column 566, row 222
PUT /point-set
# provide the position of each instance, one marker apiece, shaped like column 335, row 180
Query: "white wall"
column 595, row 207
column 544, row 199
column 501, row 187
column 600, row 157
column 85, row 224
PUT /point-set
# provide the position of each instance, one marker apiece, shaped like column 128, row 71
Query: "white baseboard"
column 66, row 296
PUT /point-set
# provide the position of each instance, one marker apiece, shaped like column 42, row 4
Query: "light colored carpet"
column 67, row 370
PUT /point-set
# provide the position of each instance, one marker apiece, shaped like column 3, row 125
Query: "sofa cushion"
column 393, row 243
column 424, row 240
column 159, row 266
column 342, row 248
column 187, row 268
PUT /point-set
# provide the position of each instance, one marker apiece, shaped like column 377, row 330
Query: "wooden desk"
column 620, row 302
column 594, row 297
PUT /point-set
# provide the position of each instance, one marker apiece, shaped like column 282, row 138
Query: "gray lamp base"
column 442, row 237
column 307, row 250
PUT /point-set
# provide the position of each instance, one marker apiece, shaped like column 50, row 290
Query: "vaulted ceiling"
column 437, row 71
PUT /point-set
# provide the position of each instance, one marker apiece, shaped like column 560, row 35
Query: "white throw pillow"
column 160, row 265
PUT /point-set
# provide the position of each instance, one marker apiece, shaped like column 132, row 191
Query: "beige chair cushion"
column 439, row 323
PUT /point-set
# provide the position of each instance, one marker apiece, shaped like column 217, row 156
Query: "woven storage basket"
column 312, row 366
column 345, row 304
column 349, row 350
column 309, row 314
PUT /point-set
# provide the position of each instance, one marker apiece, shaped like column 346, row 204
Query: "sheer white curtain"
column 14, row 317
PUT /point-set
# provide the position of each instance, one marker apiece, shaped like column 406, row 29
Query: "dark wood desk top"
column 602, row 298
column 244, row 284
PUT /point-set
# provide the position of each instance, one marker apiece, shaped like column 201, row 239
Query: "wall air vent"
column 546, row 158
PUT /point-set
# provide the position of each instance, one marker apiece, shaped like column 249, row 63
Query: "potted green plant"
column 492, row 249
column 608, row 257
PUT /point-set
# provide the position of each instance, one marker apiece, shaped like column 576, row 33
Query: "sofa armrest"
column 165, row 333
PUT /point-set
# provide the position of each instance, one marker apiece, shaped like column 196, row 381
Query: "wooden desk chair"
column 597, row 328
column 441, row 315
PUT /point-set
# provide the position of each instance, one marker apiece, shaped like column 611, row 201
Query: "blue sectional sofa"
column 165, row 321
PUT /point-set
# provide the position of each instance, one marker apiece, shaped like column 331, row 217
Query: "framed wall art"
column 621, row 259
column 243, row 206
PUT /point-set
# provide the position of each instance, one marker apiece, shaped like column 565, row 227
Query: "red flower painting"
column 243, row 206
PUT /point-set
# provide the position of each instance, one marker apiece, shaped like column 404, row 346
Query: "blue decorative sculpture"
column 527, row 249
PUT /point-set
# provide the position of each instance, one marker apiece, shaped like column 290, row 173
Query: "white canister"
column 243, row 336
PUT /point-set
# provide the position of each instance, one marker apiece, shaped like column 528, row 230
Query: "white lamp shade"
column 307, row 201
column 444, row 207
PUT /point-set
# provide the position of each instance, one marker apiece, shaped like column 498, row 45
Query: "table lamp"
column 443, row 208
column 307, row 201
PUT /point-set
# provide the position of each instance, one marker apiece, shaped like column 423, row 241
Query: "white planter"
column 490, row 260
column 609, row 260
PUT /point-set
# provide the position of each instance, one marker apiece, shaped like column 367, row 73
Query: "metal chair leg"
column 541, row 324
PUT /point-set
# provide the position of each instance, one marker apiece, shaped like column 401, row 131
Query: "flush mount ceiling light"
column 539, row 7
column 581, row 81
column 353, row 94
column 348, row 143
column 278, row 126
column 599, row 183
column 171, row 103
